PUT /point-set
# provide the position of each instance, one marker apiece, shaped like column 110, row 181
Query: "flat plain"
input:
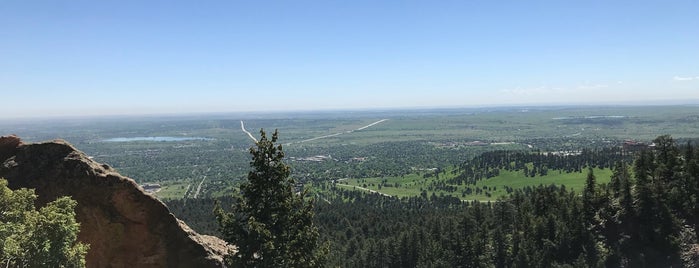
column 356, row 148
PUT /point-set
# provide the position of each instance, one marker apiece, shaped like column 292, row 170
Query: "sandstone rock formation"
column 124, row 226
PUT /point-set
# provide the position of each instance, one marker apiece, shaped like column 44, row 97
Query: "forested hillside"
column 647, row 216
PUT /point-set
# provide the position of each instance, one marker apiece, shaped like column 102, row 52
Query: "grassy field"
column 175, row 189
column 414, row 184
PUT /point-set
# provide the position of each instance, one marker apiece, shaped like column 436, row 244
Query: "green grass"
column 413, row 184
column 175, row 189
column 516, row 180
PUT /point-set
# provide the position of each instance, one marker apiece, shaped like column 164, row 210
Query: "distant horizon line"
column 337, row 110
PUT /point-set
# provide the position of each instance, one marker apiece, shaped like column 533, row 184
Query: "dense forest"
column 647, row 216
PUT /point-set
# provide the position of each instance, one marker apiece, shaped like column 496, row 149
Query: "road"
column 339, row 133
column 199, row 187
column 324, row 199
column 242, row 126
column 323, row 137
column 372, row 124
column 186, row 190
column 362, row 188
column 377, row 192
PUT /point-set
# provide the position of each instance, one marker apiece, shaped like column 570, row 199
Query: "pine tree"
column 590, row 204
column 618, row 215
column 692, row 183
column 271, row 226
column 589, row 196
column 656, row 228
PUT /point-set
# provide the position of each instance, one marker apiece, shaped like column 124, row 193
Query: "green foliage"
column 636, row 215
column 626, row 223
column 38, row 238
column 271, row 225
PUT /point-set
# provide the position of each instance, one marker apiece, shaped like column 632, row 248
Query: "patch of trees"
column 197, row 213
column 605, row 121
column 38, row 238
column 534, row 163
column 380, row 159
column 569, row 143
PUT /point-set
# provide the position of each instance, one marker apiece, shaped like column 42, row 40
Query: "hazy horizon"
column 85, row 58
column 291, row 113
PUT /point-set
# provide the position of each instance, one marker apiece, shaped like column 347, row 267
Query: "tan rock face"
column 124, row 226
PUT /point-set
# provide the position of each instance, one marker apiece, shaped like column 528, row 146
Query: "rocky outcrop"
column 124, row 226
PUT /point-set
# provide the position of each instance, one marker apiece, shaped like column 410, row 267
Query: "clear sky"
column 142, row 57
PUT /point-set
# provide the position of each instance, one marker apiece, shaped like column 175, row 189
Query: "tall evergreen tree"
column 271, row 225
column 589, row 196
column 617, row 214
column 656, row 228
column 692, row 183
column 590, row 205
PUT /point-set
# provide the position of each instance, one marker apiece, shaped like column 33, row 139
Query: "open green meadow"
column 489, row 189
column 174, row 190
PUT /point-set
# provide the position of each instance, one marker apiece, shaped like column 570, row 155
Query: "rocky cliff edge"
column 124, row 226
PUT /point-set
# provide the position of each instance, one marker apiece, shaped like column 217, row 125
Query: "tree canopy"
column 38, row 238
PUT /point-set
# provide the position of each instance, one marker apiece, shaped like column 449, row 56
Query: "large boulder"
column 124, row 226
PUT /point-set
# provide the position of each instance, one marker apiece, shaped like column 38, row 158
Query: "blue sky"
column 143, row 57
